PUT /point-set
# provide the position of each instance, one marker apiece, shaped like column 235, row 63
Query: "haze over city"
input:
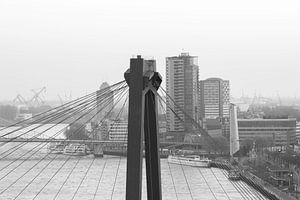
column 76, row 45
column 139, row 99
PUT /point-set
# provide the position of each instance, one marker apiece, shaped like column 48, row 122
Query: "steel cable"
column 172, row 178
column 120, row 112
column 31, row 155
column 69, row 113
column 194, row 123
column 41, row 146
column 75, row 165
column 58, row 107
column 92, row 97
column 60, row 169
column 74, row 112
column 24, row 143
column 56, row 171
column 117, row 117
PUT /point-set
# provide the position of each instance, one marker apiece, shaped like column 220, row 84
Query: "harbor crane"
column 36, row 99
column 19, row 99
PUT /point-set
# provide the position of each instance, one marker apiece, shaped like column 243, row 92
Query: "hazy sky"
column 76, row 45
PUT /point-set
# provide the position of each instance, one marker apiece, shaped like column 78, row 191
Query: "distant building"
column 162, row 129
column 23, row 113
column 182, row 87
column 105, row 102
column 102, row 132
column 298, row 132
column 118, row 130
column 277, row 131
column 214, row 98
column 215, row 103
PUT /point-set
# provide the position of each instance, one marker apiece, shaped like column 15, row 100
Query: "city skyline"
column 42, row 46
column 142, row 99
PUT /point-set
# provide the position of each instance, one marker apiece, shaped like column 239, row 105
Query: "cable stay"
column 82, row 109
column 241, row 187
column 31, row 155
column 74, row 112
column 61, row 109
column 196, row 125
column 160, row 99
column 121, row 93
column 55, row 109
column 70, row 157
column 71, row 112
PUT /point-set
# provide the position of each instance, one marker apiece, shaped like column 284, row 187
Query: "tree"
column 246, row 146
column 262, row 142
column 76, row 132
column 222, row 144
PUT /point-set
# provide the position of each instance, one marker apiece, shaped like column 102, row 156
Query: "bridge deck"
column 104, row 178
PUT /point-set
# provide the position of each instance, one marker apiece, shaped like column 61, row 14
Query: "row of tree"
column 289, row 111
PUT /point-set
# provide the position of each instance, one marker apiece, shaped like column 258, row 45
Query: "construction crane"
column 20, row 99
column 36, row 99
column 65, row 99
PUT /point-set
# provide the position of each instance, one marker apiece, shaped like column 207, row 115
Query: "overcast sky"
column 76, row 45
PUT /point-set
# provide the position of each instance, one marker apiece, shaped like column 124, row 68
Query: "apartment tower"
column 182, row 87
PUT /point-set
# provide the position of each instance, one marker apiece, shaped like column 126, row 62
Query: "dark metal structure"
column 142, row 126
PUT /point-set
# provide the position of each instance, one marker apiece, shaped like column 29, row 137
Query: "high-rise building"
column 182, row 87
column 215, row 103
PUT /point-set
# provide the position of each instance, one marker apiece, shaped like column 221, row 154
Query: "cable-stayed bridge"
column 29, row 170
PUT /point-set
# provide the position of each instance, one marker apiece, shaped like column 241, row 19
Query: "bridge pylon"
column 143, row 83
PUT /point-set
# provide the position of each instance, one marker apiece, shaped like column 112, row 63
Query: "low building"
column 118, row 131
column 278, row 131
column 298, row 132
